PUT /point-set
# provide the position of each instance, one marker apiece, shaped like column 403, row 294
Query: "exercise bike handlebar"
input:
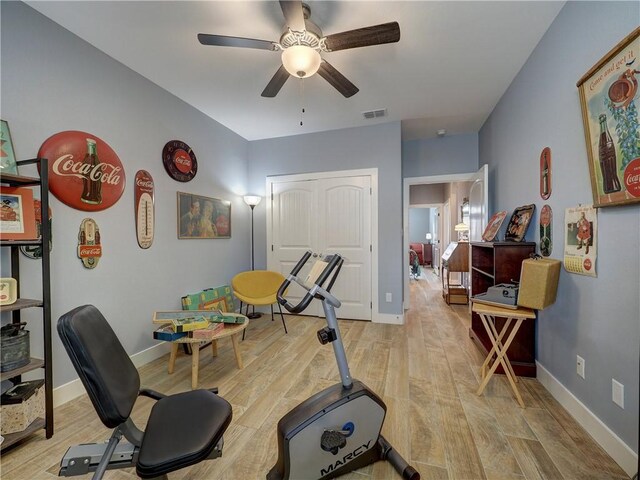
column 311, row 292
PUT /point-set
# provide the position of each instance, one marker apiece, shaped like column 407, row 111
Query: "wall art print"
column 84, row 171
column 581, row 240
column 7, row 154
column 203, row 217
column 17, row 214
column 609, row 99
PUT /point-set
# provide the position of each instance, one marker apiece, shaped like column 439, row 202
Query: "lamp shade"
column 461, row 227
column 428, row 236
column 252, row 200
column 301, row 61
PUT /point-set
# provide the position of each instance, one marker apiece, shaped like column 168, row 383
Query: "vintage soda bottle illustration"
column 92, row 182
column 607, row 158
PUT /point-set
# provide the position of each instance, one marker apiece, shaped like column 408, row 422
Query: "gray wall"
column 426, row 194
column 596, row 318
column 440, row 156
column 419, row 224
column 52, row 81
column 377, row 146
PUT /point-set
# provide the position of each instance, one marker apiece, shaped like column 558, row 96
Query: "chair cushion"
column 182, row 430
column 268, row 300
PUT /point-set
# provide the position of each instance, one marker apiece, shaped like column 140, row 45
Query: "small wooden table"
column 232, row 330
column 488, row 314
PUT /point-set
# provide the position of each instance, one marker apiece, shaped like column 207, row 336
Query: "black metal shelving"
column 22, row 303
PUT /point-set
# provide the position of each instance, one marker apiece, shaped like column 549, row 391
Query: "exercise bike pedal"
column 333, row 440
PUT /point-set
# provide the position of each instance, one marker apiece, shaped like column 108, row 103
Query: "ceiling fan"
column 301, row 43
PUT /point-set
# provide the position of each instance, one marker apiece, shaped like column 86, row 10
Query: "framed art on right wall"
column 608, row 95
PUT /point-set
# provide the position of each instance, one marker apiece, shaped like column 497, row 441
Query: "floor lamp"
column 252, row 201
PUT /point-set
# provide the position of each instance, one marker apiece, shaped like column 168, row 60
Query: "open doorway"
column 424, row 235
column 448, row 192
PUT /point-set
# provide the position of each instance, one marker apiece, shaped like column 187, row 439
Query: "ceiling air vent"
column 375, row 113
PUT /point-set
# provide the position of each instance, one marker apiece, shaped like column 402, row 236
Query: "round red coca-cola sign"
column 632, row 177
column 84, row 171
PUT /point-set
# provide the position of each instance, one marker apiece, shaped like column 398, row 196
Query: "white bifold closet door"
column 327, row 215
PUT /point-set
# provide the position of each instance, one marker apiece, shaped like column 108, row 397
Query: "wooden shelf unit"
column 45, row 364
column 493, row 263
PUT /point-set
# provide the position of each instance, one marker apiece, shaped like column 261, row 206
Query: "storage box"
column 207, row 333
column 21, row 405
column 167, row 334
column 14, row 347
column 538, row 282
column 219, row 298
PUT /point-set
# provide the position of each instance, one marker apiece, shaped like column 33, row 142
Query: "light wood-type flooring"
column 426, row 371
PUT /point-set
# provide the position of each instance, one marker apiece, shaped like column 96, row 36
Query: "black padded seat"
column 182, row 429
column 178, row 432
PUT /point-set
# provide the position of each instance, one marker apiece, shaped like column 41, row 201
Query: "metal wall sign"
column 545, row 173
column 145, row 215
column 89, row 246
column 84, row 171
column 546, row 226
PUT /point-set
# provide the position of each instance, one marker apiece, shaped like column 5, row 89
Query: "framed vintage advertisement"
column 17, row 214
column 7, row 155
column 581, row 240
column 608, row 93
column 203, row 217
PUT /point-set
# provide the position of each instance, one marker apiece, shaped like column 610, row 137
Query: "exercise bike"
column 338, row 429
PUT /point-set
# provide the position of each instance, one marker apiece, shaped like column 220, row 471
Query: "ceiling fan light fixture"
column 301, row 61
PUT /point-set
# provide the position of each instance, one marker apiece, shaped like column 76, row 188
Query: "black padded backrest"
column 108, row 375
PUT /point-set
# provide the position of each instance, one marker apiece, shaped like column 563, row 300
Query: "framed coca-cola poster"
column 203, row 217
column 84, row 171
column 608, row 96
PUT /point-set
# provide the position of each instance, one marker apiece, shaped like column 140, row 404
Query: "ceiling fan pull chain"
column 301, row 90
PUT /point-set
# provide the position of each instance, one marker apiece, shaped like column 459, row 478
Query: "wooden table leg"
column 172, row 357
column 493, row 350
column 500, row 358
column 195, row 361
column 498, row 337
column 236, row 350
column 214, row 348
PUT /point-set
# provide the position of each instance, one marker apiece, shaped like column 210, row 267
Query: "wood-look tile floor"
column 426, row 371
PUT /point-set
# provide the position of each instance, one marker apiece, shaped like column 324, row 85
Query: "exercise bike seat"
column 182, row 429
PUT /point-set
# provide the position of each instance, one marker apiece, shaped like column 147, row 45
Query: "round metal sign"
column 179, row 161
column 84, row 171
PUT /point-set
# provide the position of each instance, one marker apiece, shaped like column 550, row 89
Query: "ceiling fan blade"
column 364, row 37
column 276, row 83
column 223, row 41
column 292, row 10
column 337, row 80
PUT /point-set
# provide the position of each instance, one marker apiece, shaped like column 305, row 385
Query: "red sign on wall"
column 84, row 172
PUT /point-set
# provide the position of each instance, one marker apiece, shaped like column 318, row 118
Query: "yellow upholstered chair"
column 258, row 287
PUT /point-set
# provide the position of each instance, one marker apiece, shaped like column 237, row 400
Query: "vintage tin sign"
column 35, row 251
column 145, row 215
column 545, row 173
column 546, row 223
column 84, row 171
column 89, row 246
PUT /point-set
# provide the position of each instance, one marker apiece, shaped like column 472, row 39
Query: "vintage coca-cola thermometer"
column 546, row 226
column 145, row 215
column 89, row 246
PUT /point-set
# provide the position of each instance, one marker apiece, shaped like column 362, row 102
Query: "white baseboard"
column 73, row 389
column 607, row 439
column 389, row 318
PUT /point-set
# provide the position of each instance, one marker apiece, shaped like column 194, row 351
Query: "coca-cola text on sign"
column 84, row 171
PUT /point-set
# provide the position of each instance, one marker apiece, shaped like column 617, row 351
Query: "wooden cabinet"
column 44, row 364
column 455, row 259
column 428, row 254
column 500, row 262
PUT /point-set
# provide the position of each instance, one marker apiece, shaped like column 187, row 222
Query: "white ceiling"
column 452, row 64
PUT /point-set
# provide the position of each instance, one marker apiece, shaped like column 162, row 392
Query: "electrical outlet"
column 617, row 393
column 389, row 297
column 580, row 366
